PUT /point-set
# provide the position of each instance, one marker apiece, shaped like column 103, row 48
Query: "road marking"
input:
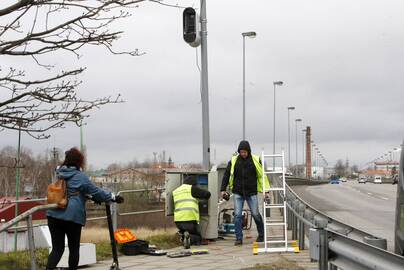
column 384, row 198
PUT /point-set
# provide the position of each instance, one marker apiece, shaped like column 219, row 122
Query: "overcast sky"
column 341, row 62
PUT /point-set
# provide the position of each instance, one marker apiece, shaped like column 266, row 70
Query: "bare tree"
column 38, row 29
column 340, row 168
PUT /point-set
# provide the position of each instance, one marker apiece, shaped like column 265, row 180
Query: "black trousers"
column 58, row 229
column 193, row 229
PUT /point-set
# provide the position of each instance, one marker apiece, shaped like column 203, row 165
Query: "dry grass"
column 98, row 234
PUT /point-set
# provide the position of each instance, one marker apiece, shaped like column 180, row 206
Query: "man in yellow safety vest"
column 244, row 176
column 186, row 212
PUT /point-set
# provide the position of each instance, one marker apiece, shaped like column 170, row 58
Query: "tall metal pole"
column 308, row 153
column 296, row 142
column 243, row 88
column 289, row 109
column 274, row 129
column 303, row 150
column 280, row 83
column 204, row 88
column 289, row 138
column 17, row 181
column 296, row 121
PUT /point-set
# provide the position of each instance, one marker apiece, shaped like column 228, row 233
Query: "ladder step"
column 276, row 250
column 274, row 189
column 275, row 241
column 275, row 237
column 275, row 224
column 275, row 220
column 276, row 155
column 269, row 206
column 274, row 172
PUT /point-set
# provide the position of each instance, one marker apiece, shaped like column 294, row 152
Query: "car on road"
column 377, row 179
column 343, row 179
column 362, row 180
column 334, row 181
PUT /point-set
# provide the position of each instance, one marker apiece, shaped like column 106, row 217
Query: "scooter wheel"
column 114, row 267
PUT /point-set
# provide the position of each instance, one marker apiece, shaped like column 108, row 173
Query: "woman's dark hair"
column 74, row 158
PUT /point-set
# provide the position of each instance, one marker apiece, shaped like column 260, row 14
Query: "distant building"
column 386, row 169
column 386, row 166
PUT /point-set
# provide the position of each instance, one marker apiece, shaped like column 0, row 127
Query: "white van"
column 377, row 179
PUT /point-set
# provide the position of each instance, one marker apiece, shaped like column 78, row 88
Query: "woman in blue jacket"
column 69, row 221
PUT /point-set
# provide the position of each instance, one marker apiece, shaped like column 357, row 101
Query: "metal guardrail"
column 347, row 253
column 335, row 244
column 315, row 216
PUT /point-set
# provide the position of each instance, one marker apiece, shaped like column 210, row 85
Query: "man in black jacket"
column 244, row 176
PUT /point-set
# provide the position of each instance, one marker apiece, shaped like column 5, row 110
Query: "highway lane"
column 369, row 207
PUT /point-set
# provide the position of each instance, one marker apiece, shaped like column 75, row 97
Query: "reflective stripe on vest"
column 258, row 169
column 186, row 206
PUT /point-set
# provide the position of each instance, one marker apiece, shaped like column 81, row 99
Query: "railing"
column 30, row 228
column 335, row 244
column 28, row 217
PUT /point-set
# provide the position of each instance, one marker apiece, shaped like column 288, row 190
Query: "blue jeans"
column 252, row 202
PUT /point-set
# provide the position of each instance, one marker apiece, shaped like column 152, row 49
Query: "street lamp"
column 313, row 157
column 276, row 83
column 297, row 120
column 250, row 35
column 304, row 146
column 289, row 109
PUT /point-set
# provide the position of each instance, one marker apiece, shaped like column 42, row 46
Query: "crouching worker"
column 186, row 210
column 70, row 220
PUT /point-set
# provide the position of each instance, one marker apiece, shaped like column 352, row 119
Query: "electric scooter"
column 115, row 263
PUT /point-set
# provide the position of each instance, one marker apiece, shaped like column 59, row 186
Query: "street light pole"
column 250, row 35
column 316, row 161
column 297, row 120
column 280, row 83
column 303, row 152
column 313, row 157
column 289, row 109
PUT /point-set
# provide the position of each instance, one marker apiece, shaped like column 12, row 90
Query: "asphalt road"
column 369, row 207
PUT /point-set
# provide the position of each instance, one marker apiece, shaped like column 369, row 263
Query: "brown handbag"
column 57, row 193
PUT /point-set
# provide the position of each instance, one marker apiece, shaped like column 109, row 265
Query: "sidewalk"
column 222, row 255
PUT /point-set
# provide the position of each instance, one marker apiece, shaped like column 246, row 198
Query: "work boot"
column 238, row 243
column 187, row 240
column 260, row 239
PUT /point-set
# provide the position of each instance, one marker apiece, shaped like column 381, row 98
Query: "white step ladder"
column 283, row 239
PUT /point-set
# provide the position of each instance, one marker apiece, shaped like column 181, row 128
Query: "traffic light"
column 191, row 27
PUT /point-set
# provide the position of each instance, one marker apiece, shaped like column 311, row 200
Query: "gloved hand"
column 225, row 195
column 89, row 197
column 116, row 198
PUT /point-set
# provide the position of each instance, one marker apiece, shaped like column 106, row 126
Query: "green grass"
column 165, row 241
column 103, row 251
column 20, row 260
